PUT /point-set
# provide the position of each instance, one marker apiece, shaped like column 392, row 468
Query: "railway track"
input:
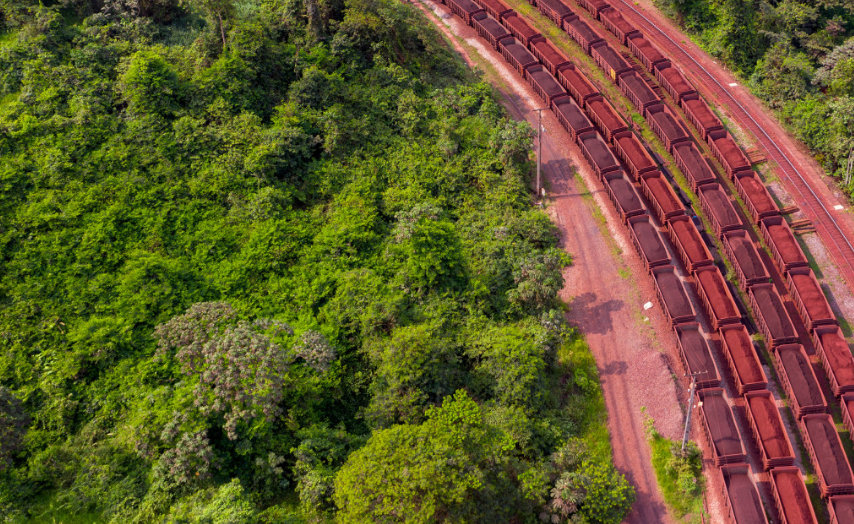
column 831, row 231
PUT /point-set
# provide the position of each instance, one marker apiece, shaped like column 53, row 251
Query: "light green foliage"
column 679, row 475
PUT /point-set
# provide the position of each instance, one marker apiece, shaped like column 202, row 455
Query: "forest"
column 276, row 261
column 798, row 57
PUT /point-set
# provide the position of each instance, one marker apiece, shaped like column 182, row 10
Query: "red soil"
column 576, row 83
column 634, row 152
column 810, row 295
column 732, row 156
column 793, row 496
column 769, row 425
column 548, row 54
column 698, row 110
column 738, row 344
column 800, row 375
column 784, row 242
column 753, row 190
column 603, row 113
column 688, row 240
column 715, row 289
column 660, row 190
column 838, row 355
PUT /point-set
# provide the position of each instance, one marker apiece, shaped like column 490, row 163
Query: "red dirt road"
column 802, row 176
column 605, row 291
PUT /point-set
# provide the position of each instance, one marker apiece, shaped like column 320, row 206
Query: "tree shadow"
column 591, row 316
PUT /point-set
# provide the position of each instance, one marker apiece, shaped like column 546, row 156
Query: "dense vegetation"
column 797, row 56
column 275, row 261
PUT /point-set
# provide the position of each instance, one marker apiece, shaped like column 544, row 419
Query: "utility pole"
column 539, row 146
column 690, row 408
column 850, row 168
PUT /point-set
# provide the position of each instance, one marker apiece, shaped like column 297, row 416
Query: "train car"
column 638, row 91
column 672, row 297
column 771, row 315
column 696, row 357
column 763, row 417
column 742, row 358
column 583, row 34
column 700, row 114
column 740, row 495
column 610, row 61
column 716, row 298
column 571, row 117
column 544, row 84
column 745, row 259
column 727, row 152
column 490, row 29
column 550, row 57
column 835, row 355
column 781, row 241
column 694, row 165
column 577, row 84
column 465, row 9
column 827, row 455
column 840, row 509
column 643, row 50
column 673, row 81
column 597, row 153
column 755, row 196
column 555, row 10
column 648, row 243
column 632, row 153
column 666, row 126
column 616, row 24
column 520, row 29
column 623, row 195
column 517, row 55
column 799, row 380
column 659, row 193
column 719, row 209
column 688, row 243
column 791, row 496
column 494, row 8
column 606, row 118
column 720, row 428
column 809, row 298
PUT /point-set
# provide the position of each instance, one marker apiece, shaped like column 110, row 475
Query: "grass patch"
column 679, row 476
column 52, row 512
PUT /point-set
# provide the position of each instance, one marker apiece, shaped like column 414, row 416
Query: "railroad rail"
column 828, row 228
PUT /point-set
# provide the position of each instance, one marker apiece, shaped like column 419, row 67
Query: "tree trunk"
column 221, row 29
column 315, row 24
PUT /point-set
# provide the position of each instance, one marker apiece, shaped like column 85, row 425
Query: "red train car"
column 517, row 55
column 595, row 7
column 799, row 380
column 740, row 494
column 633, row 153
column 606, row 118
column 720, row 428
column 544, row 84
column 616, row 24
column 840, row 509
column 490, row 29
column 827, row 455
column 745, row 259
column 571, row 117
column 771, row 315
column 673, row 81
column 666, row 126
column 716, row 297
column 623, row 195
column 742, row 359
column 700, row 114
column 696, row 357
column 465, row 9
column 688, row 243
column 727, row 152
column 519, row 28
column 609, row 60
column 638, row 91
column 663, row 200
column 763, row 417
column 693, row 165
column 835, row 355
column 755, row 196
column 781, row 241
column 550, row 57
column 597, row 153
column 809, row 298
column 647, row 242
column 672, row 296
column 576, row 83
column 719, row 209
column 791, row 496
column 555, row 10
column 495, row 8
column 648, row 54
column 582, row 33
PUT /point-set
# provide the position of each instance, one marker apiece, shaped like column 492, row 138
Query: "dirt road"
column 606, row 291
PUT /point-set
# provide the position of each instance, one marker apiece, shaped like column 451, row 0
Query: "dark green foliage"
column 248, row 250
